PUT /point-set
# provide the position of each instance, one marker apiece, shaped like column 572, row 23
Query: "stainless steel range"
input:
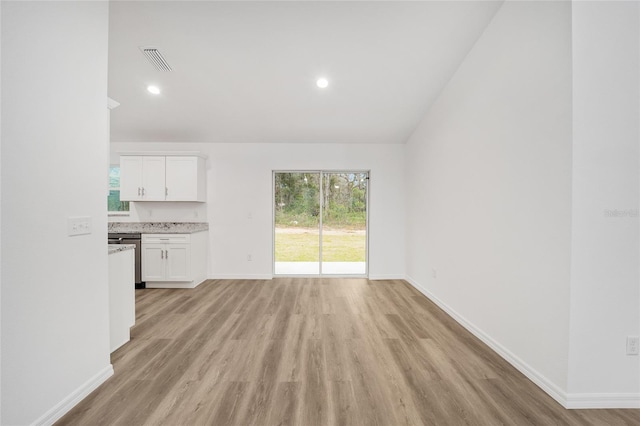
column 135, row 239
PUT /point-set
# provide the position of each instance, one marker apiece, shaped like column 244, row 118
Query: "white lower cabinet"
column 178, row 261
column 154, row 265
column 122, row 308
column 174, row 260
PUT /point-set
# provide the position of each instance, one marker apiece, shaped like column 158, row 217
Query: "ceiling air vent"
column 155, row 57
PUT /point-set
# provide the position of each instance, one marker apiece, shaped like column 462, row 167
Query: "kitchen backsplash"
column 163, row 212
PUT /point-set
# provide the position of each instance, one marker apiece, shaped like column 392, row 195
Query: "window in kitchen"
column 115, row 205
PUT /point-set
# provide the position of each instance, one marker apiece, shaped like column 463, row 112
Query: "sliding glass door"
column 320, row 223
column 297, row 223
column 344, row 223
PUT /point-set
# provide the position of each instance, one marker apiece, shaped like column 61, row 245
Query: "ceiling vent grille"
column 155, row 57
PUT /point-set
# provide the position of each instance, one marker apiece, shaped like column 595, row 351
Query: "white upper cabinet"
column 153, row 177
column 185, row 177
column 162, row 178
column 131, row 178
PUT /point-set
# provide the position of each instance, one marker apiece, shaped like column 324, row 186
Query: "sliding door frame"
column 321, row 182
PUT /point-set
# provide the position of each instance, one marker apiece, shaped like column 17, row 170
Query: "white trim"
column 320, row 226
column 320, row 276
column 532, row 374
column 567, row 400
column 111, row 104
column 381, row 277
column 164, row 153
column 242, row 277
column 174, row 284
column 64, row 406
column 602, row 400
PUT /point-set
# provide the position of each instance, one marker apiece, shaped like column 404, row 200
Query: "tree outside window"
column 113, row 201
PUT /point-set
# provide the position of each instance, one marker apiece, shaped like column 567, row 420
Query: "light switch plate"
column 633, row 345
column 78, row 225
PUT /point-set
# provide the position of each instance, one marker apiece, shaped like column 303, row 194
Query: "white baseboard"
column 269, row 277
column 160, row 284
column 567, row 400
column 175, row 284
column 242, row 277
column 63, row 407
column 539, row 379
column 603, row 400
column 380, row 277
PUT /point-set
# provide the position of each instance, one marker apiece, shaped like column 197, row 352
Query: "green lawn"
column 335, row 248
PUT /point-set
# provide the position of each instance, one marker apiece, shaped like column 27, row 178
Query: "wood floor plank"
column 313, row 351
column 343, row 403
column 284, row 409
column 176, row 406
column 373, row 405
column 294, row 352
column 315, row 401
column 264, row 384
column 335, row 355
column 431, row 410
column 228, row 409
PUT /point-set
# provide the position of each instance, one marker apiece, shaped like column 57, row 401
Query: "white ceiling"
column 246, row 71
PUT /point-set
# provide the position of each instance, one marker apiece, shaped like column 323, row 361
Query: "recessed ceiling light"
column 322, row 83
column 153, row 89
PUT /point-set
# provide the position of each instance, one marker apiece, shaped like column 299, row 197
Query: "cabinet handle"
column 166, row 191
column 166, row 254
column 139, row 191
column 161, row 254
column 143, row 191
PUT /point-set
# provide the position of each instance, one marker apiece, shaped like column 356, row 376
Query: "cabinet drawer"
column 166, row 238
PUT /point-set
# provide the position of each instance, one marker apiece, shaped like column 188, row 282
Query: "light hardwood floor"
column 313, row 352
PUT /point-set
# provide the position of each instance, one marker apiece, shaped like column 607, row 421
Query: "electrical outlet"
column 249, row 259
column 633, row 345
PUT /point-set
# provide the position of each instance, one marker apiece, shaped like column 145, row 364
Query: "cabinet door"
column 182, row 178
column 178, row 261
column 153, row 171
column 153, row 262
column 130, row 178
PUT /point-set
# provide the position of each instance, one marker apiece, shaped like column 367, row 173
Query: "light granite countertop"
column 115, row 248
column 158, row 227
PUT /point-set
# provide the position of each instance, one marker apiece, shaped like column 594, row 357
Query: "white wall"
column 55, row 336
column 489, row 191
column 0, row 215
column 604, row 273
column 239, row 182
